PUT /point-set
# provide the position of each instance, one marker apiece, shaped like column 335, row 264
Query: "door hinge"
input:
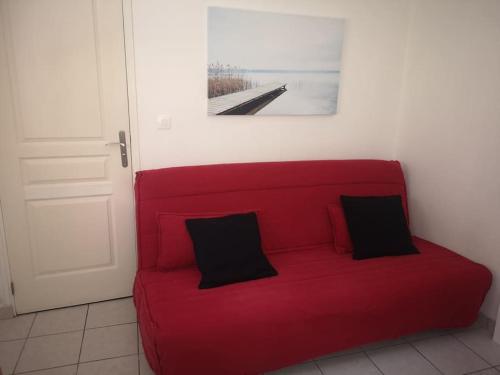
column 12, row 288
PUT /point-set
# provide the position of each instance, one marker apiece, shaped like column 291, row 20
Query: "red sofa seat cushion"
column 321, row 302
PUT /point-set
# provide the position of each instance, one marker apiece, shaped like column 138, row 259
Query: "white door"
column 66, row 198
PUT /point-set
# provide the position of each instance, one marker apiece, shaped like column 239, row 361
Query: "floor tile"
column 450, row 356
column 59, row 321
column 108, row 313
column 401, row 359
column 50, row 351
column 481, row 342
column 354, row 364
column 109, row 342
column 9, row 354
column 66, row 370
column 16, row 328
column 490, row 371
column 116, row 366
column 309, row 368
column 144, row 368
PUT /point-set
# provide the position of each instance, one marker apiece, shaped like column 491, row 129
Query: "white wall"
column 170, row 63
column 449, row 134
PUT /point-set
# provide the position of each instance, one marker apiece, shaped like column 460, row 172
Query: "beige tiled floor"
column 102, row 339
column 465, row 351
column 95, row 339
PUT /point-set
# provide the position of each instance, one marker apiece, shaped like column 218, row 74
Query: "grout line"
column 11, row 340
column 69, row 307
column 78, row 363
column 112, row 299
column 427, row 359
column 83, row 335
column 45, row 369
column 74, row 364
column 315, row 364
column 19, row 356
column 372, row 361
column 478, row 371
column 24, row 344
column 111, row 325
column 51, row 309
column 105, row 359
column 71, row 331
column 54, row 334
column 472, row 350
column 32, row 324
column 63, row 332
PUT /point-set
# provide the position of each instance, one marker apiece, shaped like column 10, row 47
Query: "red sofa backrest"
column 291, row 197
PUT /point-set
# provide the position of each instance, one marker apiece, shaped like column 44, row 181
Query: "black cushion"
column 377, row 226
column 228, row 249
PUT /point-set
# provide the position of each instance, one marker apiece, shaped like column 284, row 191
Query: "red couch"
column 320, row 302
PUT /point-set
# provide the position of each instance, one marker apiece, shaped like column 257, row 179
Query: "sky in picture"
column 262, row 40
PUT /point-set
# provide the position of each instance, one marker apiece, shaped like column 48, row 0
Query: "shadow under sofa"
column 319, row 303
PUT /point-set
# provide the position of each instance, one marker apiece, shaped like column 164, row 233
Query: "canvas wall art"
column 262, row 63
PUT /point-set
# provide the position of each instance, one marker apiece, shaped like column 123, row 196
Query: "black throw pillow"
column 377, row 226
column 228, row 249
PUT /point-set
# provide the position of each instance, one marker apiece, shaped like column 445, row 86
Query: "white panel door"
column 67, row 200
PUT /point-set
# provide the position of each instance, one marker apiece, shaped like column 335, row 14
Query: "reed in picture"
column 225, row 79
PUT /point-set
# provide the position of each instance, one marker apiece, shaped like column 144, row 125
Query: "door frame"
column 9, row 306
column 128, row 32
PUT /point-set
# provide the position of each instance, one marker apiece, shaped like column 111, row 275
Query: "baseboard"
column 494, row 328
column 6, row 312
column 484, row 322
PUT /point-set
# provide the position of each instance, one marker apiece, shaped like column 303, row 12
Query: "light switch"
column 164, row 122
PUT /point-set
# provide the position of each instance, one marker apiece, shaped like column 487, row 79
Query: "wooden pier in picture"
column 247, row 102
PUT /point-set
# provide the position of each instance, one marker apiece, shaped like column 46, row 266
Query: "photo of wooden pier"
column 247, row 102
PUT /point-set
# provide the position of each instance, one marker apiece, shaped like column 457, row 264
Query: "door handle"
column 123, row 147
column 116, row 143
